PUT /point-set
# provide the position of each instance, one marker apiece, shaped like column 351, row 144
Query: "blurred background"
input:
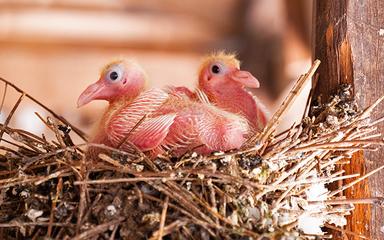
column 53, row 49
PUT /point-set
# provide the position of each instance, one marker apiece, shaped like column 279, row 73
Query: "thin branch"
column 344, row 187
column 162, row 218
column 94, row 231
column 10, row 115
column 287, row 103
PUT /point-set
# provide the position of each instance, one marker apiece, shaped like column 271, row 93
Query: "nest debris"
column 277, row 188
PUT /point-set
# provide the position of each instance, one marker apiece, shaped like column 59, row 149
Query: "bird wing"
column 202, row 96
column 205, row 125
column 129, row 116
column 150, row 133
column 221, row 131
column 182, row 135
column 181, row 92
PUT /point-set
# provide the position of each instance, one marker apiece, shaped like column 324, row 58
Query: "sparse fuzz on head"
column 130, row 65
column 228, row 59
column 118, row 78
column 221, row 79
column 223, row 69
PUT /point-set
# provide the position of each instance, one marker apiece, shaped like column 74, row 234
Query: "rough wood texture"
column 349, row 40
column 366, row 28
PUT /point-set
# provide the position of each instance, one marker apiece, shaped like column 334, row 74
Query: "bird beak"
column 93, row 92
column 245, row 78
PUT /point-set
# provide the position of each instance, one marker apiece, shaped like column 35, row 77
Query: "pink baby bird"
column 122, row 84
column 201, row 127
column 222, row 81
column 168, row 121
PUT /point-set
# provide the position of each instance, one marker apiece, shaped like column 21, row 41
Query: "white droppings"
column 286, row 218
column 25, row 194
column 189, row 185
column 234, row 218
column 226, row 159
column 310, row 224
column 382, row 229
column 218, row 153
column 138, row 167
column 111, row 210
column 332, row 120
column 256, row 171
column 337, row 220
column 317, row 192
column 381, row 32
column 33, row 214
column 254, row 213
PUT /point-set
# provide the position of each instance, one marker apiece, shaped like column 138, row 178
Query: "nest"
column 276, row 188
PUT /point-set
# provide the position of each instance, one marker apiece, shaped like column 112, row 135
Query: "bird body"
column 132, row 121
column 222, row 81
column 159, row 120
column 234, row 98
column 122, row 84
column 202, row 127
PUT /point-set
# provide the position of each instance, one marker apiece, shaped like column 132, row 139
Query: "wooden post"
column 348, row 37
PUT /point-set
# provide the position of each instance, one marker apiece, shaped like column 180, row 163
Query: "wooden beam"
column 332, row 46
column 80, row 28
column 209, row 11
column 349, row 40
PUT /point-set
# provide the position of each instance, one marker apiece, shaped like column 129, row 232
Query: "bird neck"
column 117, row 103
column 236, row 99
column 127, row 94
column 122, row 99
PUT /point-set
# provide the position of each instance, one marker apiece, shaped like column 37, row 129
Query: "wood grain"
column 348, row 40
column 365, row 19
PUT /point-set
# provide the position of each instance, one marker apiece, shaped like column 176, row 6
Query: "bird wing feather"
column 181, row 92
column 202, row 96
column 182, row 133
column 152, row 132
column 220, row 130
column 122, row 122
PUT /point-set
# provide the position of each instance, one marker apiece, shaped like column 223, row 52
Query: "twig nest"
column 278, row 188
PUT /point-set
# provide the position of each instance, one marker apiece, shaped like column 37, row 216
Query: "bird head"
column 220, row 69
column 117, row 79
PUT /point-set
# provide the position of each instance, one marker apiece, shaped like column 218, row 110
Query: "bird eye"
column 215, row 69
column 114, row 74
